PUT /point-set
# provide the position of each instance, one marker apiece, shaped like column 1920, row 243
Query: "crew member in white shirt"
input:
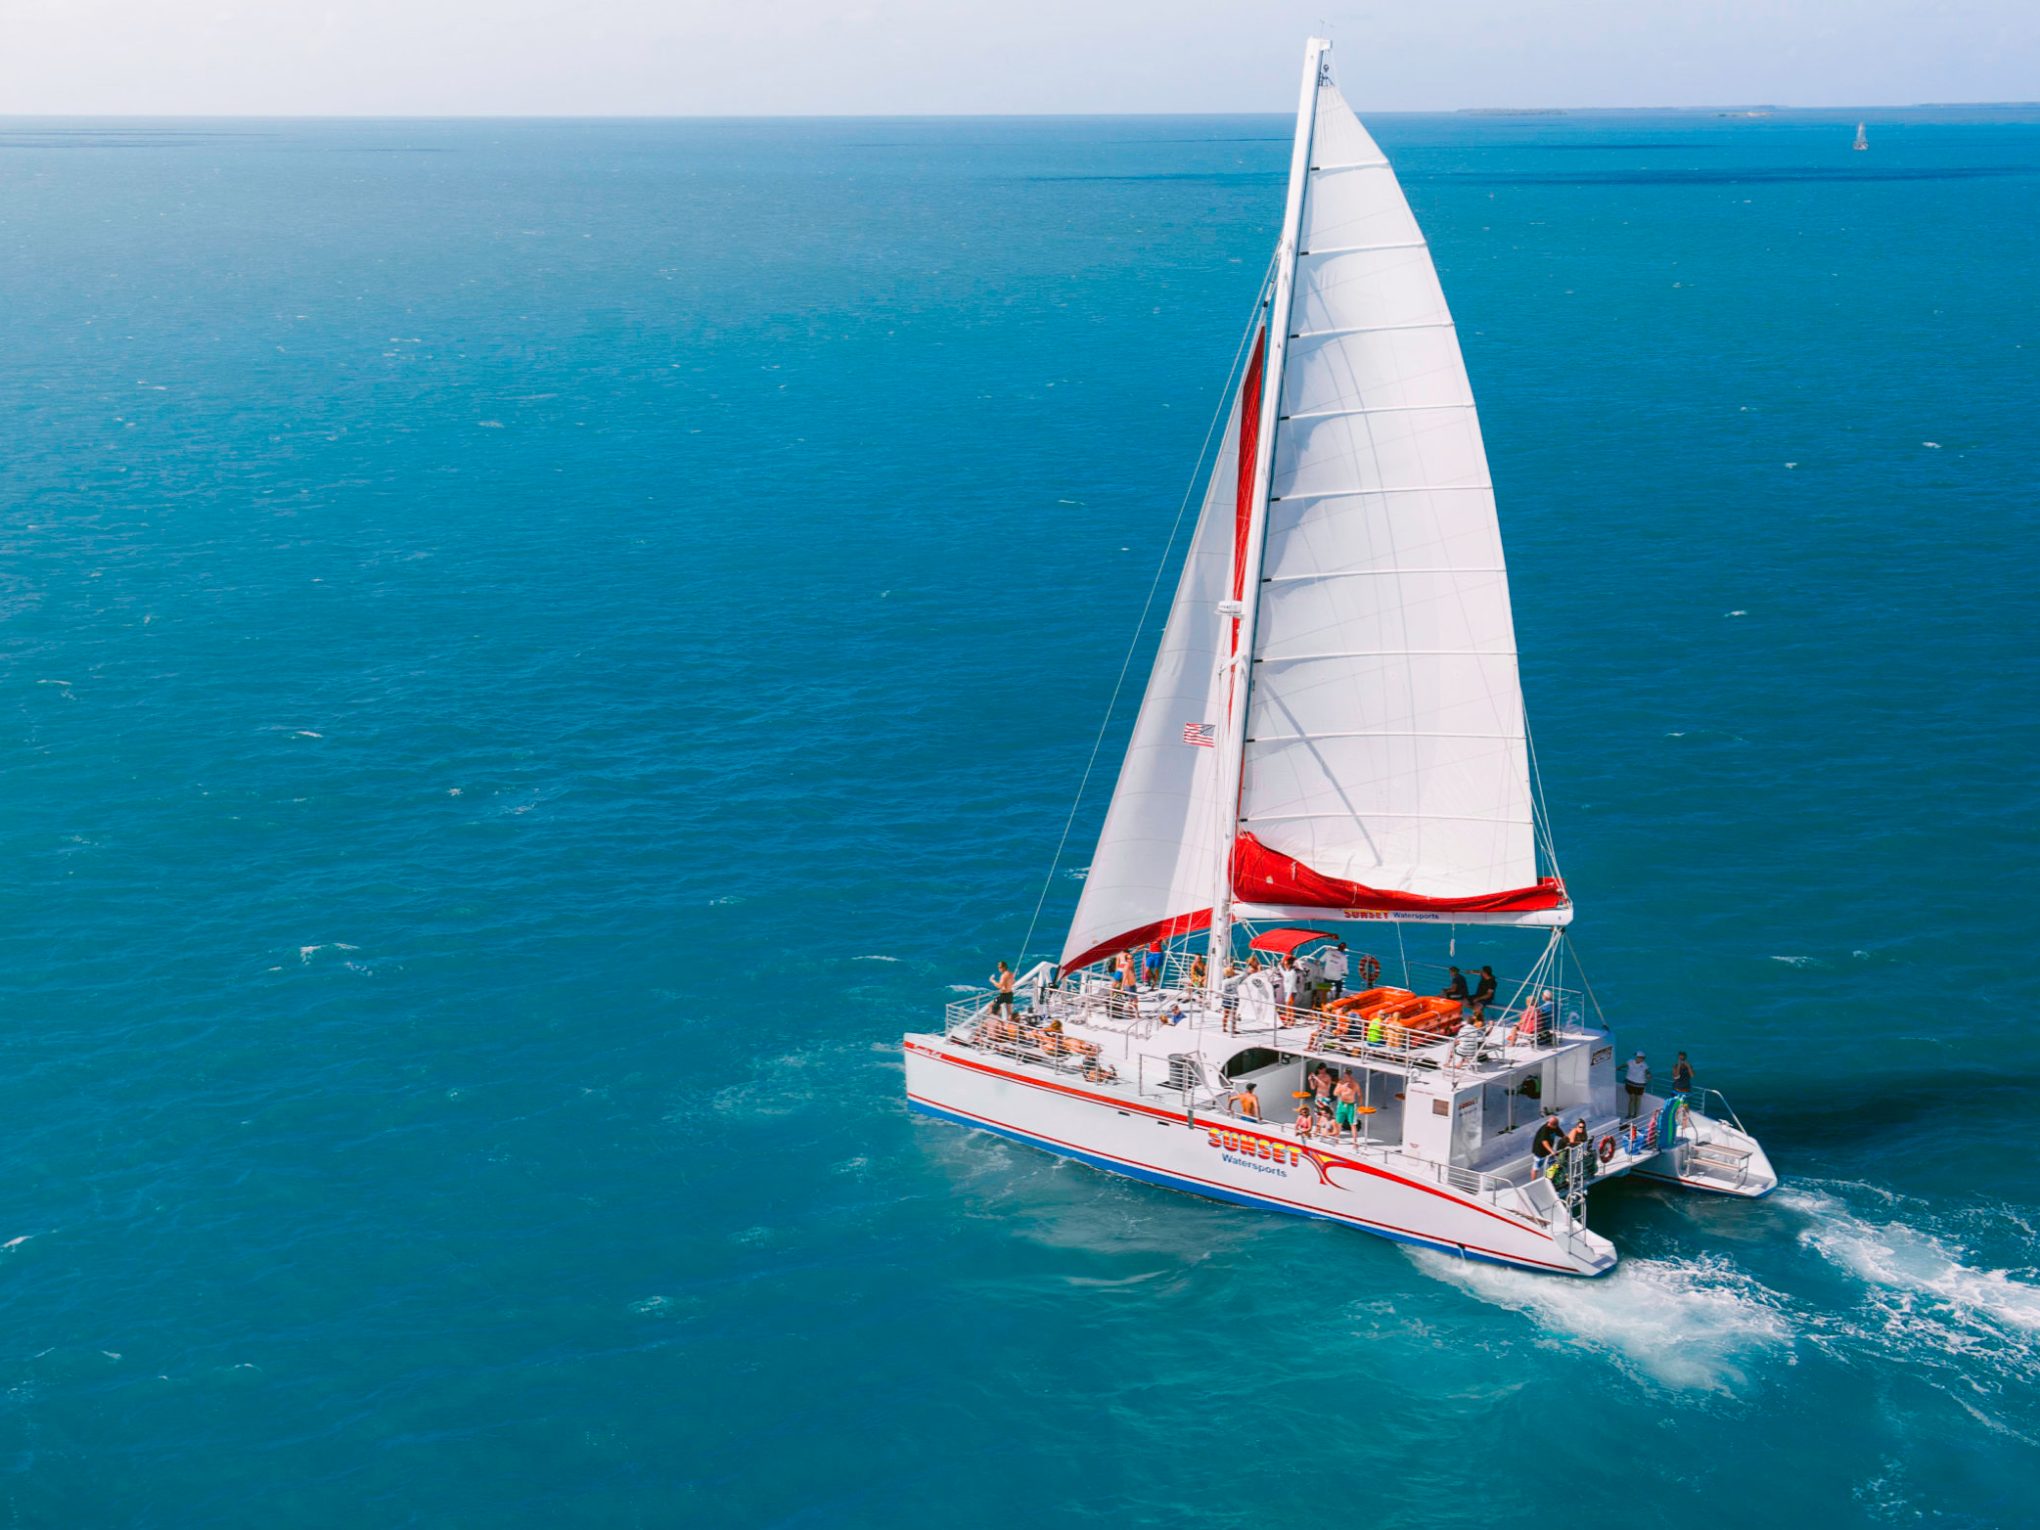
column 1635, row 1078
column 1334, row 963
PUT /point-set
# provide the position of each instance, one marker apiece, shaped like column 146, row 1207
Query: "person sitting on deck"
column 1346, row 1109
column 1151, row 964
column 1304, row 1120
column 1175, row 1014
column 1247, row 1103
column 1197, row 971
column 1096, row 1072
column 1327, row 1126
column 1002, row 986
column 1483, row 992
column 1455, row 988
column 1549, row 1139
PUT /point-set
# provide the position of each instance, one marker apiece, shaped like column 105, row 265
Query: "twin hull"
column 1231, row 1160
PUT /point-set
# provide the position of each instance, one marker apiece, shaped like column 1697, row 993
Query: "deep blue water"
column 533, row 652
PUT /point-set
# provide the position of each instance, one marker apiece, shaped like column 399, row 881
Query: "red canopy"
column 1286, row 940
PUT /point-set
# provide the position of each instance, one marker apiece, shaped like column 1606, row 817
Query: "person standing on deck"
column 1346, row 1112
column 1289, row 981
column 1248, row 1103
column 1002, row 990
column 1151, row 964
column 1682, row 1076
column 1549, row 1139
column 1334, row 962
column 1229, row 999
column 1635, row 1078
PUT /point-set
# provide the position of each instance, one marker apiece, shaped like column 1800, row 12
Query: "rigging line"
column 1580, row 967
column 1543, row 808
column 1196, row 476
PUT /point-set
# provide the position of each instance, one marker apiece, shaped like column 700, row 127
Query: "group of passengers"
column 1326, row 1107
column 1009, row 1033
column 1333, row 1107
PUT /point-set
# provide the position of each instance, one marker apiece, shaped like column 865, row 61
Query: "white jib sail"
column 1385, row 733
column 1160, row 839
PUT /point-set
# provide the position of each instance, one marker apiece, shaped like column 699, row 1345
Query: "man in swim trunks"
column 1002, row 985
column 1247, row 1103
column 1346, row 1112
column 1151, row 964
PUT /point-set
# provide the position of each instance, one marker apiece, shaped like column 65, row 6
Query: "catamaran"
column 1332, row 752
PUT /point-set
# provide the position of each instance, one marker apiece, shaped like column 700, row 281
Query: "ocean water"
column 534, row 651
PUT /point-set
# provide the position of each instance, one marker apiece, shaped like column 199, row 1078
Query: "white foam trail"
column 1921, row 1283
column 1691, row 1323
column 874, row 958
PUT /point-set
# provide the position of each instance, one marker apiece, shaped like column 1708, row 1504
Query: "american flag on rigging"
column 1203, row 735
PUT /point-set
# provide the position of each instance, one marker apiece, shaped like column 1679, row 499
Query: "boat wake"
column 1689, row 1323
column 1921, row 1294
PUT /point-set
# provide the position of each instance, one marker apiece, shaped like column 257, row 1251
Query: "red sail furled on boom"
column 1168, row 929
column 1261, row 875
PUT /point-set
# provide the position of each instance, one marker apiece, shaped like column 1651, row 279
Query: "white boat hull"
column 1226, row 1159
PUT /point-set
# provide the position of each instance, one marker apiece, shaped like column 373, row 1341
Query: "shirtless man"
column 1346, row 1110
column 1002, row 984
column 1247, row 1103
column 1321, row 1083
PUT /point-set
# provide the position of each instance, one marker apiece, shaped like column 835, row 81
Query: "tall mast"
column 1233, row 753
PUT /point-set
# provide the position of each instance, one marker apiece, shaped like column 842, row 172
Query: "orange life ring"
column 1608, row 1148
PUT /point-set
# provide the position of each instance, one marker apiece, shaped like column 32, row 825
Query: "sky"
column 883, row 57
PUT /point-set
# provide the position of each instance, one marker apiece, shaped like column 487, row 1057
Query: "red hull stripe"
column 1178, row 1117
column 1233, row 1190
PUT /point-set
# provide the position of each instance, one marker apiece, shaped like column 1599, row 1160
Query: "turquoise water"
column 535, row 651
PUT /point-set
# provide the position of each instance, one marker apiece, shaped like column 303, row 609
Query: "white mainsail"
column 1382, row 766
column 1385, row 740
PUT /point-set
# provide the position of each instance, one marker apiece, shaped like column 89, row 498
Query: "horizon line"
column 935, row 116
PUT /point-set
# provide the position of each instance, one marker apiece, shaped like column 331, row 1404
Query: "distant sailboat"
column 1862, row 138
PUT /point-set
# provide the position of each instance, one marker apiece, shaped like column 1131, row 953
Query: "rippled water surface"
column 533, row 652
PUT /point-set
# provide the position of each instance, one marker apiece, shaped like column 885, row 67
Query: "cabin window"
column 1252, row 1060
